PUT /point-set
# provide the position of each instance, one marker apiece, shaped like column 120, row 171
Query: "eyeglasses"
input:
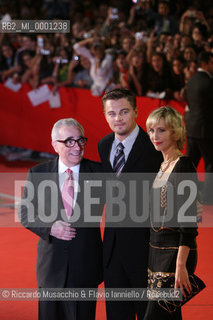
column 70, row 142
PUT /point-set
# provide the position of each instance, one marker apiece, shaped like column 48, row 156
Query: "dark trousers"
column 67, row 310
column 116, row 276
column 197, row 148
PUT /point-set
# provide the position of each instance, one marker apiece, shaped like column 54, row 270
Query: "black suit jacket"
column 199, row 91
column 78, row 260
column 132, row 242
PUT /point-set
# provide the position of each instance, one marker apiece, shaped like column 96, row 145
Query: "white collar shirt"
column 63, row 176
column 202, row 70
column 127, row 143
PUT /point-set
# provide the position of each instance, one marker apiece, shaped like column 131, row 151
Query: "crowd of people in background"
column 148, row 46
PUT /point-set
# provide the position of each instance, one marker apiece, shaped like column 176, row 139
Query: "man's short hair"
column 120, row 93
column 204, row 56
column 68, row 122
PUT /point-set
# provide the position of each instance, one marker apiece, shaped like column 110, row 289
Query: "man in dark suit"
column 125, row 250
column 199, row 93
column 68, row 255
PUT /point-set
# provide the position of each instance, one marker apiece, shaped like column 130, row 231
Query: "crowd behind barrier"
column 148, row 46
column 29, row 127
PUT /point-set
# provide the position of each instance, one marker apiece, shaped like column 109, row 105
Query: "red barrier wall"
column 23, row 125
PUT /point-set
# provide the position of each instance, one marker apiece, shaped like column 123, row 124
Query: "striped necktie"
column 119, row 160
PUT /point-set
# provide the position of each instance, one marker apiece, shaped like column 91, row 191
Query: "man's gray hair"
column 68, row 122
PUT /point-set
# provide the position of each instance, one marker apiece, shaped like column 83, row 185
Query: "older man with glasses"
column 69, row 255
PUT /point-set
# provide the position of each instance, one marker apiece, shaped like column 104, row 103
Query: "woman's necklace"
column 165, row 165
column 163, row 169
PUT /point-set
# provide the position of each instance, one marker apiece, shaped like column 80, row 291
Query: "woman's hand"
column 182, row 279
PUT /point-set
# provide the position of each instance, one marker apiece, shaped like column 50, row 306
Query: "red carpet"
column 18, row 263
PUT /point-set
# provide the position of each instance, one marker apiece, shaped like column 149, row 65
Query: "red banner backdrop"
column 23, row 125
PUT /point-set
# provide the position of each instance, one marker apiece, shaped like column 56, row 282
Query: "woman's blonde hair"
column 173, row 121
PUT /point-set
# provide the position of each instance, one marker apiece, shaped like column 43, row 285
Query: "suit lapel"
column 137, row 150
column 55, row 178
column 84, row 168
column 107, row 149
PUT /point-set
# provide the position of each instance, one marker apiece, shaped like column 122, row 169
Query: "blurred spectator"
column 164, row 22
column 178, row 81
column 177, row 40
column 190, row 69
column 5, row 11
column 101, row 69
column 137, row 72
column 111, row 21
column 41, row 68
column 61, row 65
column 28, row 42
column 7, row 55
column 112, row 40
column 189, row 53
column 198, row 36
column 208, row 46
column 185, row 41
column 127, row 43
column 169, row 49
column 29, row 75
column 77, row 31
column 56, row 8
column 82, row 78
column 159, row 76
column 142, row 16
column 121, row 70
column 189, row 18
column 77, row 74
column 62, row 40
column 209, row 18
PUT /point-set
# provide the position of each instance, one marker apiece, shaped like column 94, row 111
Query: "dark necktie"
column 119, row 160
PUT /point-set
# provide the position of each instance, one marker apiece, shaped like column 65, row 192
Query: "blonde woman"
column 172, row 251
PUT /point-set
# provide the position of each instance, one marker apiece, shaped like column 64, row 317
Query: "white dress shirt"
column 127, row 143
column 63, row 176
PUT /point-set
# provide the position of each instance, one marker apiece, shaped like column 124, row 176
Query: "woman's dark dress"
column 164, row 241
